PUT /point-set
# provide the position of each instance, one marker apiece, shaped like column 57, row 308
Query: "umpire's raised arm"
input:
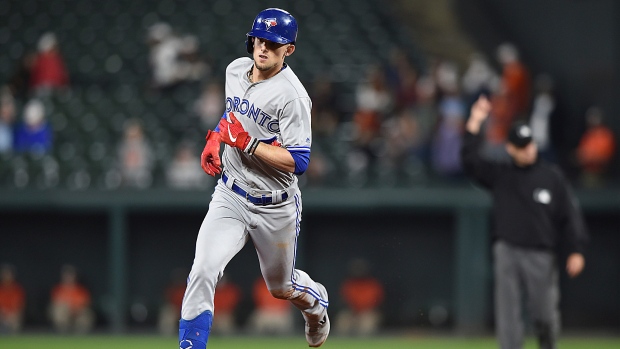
column 475, row 166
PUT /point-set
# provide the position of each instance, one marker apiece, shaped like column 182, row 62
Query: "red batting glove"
column 210, row 158
column 233, row 134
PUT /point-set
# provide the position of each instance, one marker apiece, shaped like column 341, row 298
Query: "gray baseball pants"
column 531, row 274
column 231, row 222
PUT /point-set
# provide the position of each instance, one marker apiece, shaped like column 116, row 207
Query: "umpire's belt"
column 275, row 197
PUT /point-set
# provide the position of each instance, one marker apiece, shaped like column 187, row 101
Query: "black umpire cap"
column 520, row 134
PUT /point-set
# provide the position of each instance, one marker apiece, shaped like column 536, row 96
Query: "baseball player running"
column 267, row 136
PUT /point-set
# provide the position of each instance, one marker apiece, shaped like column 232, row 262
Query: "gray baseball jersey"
column 274, row 109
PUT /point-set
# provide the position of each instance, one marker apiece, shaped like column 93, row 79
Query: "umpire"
column 535, row 216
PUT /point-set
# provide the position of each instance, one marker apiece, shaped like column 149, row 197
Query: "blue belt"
column 256, row 200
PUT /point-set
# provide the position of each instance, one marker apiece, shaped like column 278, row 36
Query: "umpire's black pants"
column 531, row 274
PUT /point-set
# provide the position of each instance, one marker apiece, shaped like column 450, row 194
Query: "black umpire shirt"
column 533, row 206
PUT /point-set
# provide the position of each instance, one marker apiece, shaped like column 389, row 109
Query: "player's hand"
column 575, row 264
column 210, row 158
column 233, row 134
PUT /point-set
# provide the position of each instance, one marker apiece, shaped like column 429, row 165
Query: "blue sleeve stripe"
column 302, row 158
column 217, row 128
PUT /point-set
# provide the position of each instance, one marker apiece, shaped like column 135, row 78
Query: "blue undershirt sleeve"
column 217, row 128
column 302, row 158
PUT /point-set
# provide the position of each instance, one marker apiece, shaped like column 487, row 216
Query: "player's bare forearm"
column 277, row 157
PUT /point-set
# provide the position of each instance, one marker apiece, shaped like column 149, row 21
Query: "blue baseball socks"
column 195, row 333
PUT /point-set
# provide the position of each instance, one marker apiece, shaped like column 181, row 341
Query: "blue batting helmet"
column 275, row 25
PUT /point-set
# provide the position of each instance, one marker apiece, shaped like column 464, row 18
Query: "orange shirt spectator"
column 512, row 100
column 516, row 79
column 227, row 296
column 362, row 294
column 70, row 309
column 225, row 301
column 170, row 310
column 76, row 296
column 596, row 149
column 12, row 300
column 500, row 119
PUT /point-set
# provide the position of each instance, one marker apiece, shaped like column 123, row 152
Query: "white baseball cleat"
column 317, row 335
column 317, row 332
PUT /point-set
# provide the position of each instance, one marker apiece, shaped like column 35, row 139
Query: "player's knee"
column 282, row 294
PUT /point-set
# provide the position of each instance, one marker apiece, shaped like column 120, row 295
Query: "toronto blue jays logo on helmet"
column 270, row 22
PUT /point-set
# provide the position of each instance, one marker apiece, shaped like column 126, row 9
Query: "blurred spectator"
column 12, row 301
column 479, row 78
column 34, row 133
column 516, row 80
column 362, row 294
column 325, row 112
column 135, row 156
column 446, row 76
column 406, row 95
column 48, row 69
column 374, row 101
column 397, row 63
column 70, row 308
column 175, row 59
column 165, row 48
column 511, row 102
column 271, row 315
column 543, row 107
column 170, row 311
column 596, row 149
column 191, row 66
column 184, row 171
column 210, row 105
column 426, row 113
column 7, row 117
column 402, row 139
column 402, row 78
column 447, row 139
column 226, row 300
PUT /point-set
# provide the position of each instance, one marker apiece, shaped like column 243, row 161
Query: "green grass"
column 156, row 342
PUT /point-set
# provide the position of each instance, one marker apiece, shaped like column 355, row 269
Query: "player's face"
column 523, row 156
column 269, row 55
